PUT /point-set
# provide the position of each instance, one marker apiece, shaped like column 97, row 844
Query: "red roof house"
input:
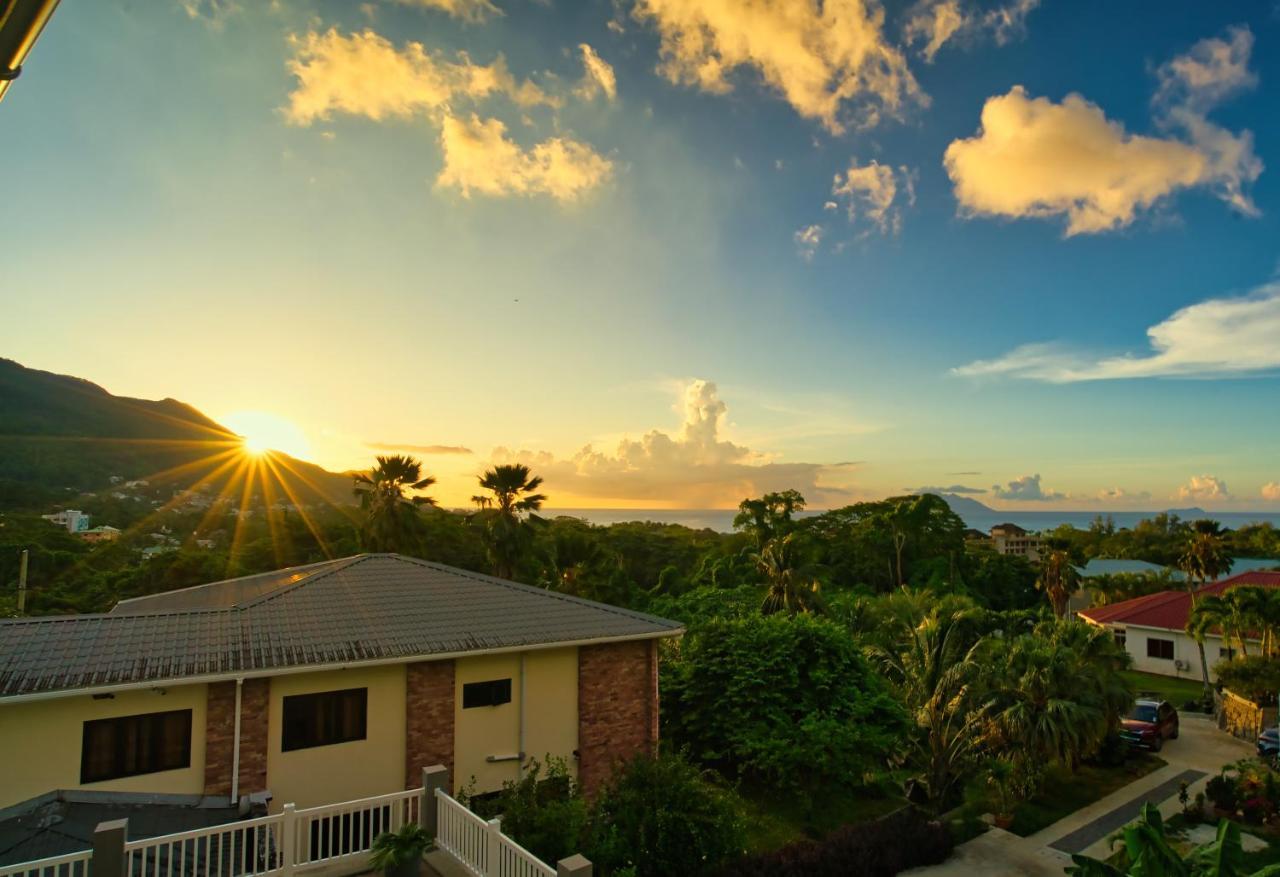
column 1170, row 609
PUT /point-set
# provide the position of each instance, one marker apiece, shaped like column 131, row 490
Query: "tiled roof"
column 1169, row 610
column 365, row 608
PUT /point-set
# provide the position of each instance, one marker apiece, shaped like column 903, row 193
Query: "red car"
column 1149, row 724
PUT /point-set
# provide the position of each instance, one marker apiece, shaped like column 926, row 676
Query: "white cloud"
column 597, row 76
column 933, row 23
column 870, row 191
column 479, row 158
column 1219, row 336
column 363, row 74
column 808, row 239
column 696, row 467
column 1271, row 491
column 1032, row 157
column 213, row 13
column 471, row 11
column 1025, row 489
column 950, row 488
column 829, row 60
column 1119, row 494
column 1203, row 487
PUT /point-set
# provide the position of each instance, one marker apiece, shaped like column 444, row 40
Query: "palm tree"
column 1058, row 579
column 792, row 587
column 571, row 554
column 1267, row 607
column 937, row 668
column 1204, row 560
column 391, row 520
column 1209, row 615
column 507, row 515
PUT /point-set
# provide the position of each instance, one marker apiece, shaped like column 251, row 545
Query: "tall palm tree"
column 1058, row 579
column 391, row 521
column 792, row 586
column 1205, row 560
column 506, row 521
column 936, row 666
column 1209, row 615
column 571, row 555
column 1267, row 607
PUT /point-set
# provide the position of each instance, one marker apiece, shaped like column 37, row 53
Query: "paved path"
column 1199, row 753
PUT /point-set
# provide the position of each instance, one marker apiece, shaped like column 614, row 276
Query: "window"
column 1160, row 648
column 1120, row 634
column 133, row 745
column 491, row 693
column 324, row 718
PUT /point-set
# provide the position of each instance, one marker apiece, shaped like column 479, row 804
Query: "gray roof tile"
column 364, row 608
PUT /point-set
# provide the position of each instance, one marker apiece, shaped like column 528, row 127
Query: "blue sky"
column 325, row 212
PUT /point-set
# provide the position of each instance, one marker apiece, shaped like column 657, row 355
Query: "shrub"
column 787, row 700
column 1254, row 677
column 901, row 840
column 1222, row 792
column 662, row 816
column 542, row 810
column 393, row 850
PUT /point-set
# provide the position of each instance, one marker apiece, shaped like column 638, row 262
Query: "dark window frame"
column 324, row 718
column 1156, row 648
column 149, row 753
column 488, row 692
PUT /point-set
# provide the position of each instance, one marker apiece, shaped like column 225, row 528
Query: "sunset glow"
column 264, row 432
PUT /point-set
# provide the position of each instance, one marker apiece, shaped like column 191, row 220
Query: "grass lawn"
column 1253, row 861
column 775, row 820
column 1064, row 792
column 1176, row 691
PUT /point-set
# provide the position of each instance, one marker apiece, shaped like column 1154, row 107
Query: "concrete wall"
column 41, row 742
column 1184, row 649
column 341, row 771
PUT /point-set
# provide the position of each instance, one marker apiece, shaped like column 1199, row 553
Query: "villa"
column 1153, row 628
column 323, row 683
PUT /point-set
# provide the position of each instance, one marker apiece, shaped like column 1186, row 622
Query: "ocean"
column 722, row 519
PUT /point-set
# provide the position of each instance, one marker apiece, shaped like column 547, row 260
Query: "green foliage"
column 663, row 816
column 391, row 521
column 788, row 700
column 1256, row 678
column 390, row 850
column 543, row 810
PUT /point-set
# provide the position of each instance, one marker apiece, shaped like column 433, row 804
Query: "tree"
column 1204, row 560
column 1234, row 614
column 936, row 668
column 1058, row 579
column 789, row 701
column 506, row 523
column 571, row 557
column 390, row 517
column 792, row 587
column 769, row 516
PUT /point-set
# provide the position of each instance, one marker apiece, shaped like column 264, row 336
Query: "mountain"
column 60, row 433
column 964, row 505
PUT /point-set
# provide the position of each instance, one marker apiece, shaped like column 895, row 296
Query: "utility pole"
column 22, row 583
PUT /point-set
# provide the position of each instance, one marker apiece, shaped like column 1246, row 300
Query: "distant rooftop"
column 1169, row 610
column 368, row 608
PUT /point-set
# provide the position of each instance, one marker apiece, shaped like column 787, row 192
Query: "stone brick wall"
column 1242, row 717
column 429, row 703
column 220, row 737
column 617, row 707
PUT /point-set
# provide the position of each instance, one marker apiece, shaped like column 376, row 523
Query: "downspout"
column 235, row 748
column 520, row 746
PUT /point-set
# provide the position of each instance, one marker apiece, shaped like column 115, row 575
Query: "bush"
column 662, row 816
column 542, row 810
column 1221, row 790
column 901, row 840
column 1255, row 677
column 789, row 701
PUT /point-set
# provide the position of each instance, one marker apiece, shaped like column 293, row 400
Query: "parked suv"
column 1269, row 743
column 1149, row 724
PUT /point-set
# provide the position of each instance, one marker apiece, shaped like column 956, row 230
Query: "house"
column 74, row 520
column 105, row 533
column 1153, row 628
column 1011, row 539
column 324, row 683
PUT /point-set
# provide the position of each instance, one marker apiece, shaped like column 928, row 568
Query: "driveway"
column 1199, row 752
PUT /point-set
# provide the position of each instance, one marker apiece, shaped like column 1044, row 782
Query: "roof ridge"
column 219, row 582
column 546, row 592
column 338, row 565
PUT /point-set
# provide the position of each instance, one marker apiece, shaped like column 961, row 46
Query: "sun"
column 262, row 432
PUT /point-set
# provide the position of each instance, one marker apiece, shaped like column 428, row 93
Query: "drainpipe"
column 22, row 584
column 235, row 748
column 520, row 747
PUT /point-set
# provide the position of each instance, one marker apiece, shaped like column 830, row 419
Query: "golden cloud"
column 829, row 60
column 470, row 11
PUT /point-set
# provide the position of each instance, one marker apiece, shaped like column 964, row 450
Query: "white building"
column 1011, row 539
column 73, row 520
column 1153, row 628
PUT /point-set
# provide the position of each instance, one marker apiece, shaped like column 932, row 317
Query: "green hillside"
column 61, row 435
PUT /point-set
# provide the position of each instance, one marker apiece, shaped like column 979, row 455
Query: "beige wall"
column 341, row 771
column 1184, row 650
column 550, row 716
column 40, row 743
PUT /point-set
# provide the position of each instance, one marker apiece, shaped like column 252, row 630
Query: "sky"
column 673, row 253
